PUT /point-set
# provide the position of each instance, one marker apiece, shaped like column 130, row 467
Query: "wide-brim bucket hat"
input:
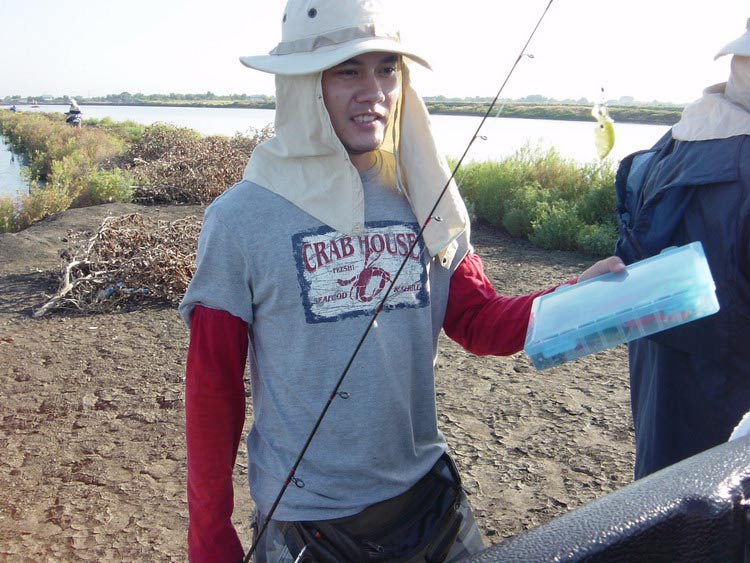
column 740, row 46
column 319, row 34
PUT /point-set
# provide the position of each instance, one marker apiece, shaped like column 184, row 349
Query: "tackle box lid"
column 655, row 294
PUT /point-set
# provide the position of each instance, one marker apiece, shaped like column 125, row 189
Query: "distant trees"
column 535, row 99
column 533, row 106
column 141, row 98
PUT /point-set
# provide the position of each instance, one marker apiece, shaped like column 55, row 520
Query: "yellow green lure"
column 604, row 134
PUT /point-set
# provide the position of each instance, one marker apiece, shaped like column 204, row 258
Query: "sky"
column 651, row 50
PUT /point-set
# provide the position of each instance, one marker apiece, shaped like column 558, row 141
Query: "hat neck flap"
column 738, row 85
column 722, row 112
column 307, row 164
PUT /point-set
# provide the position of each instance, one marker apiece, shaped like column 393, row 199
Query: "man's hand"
column 611, row 264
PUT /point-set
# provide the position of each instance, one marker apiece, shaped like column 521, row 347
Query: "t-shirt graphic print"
column 344, row 276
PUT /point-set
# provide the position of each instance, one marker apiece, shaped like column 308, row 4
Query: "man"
column 691, row 385
column 74, row 115
column 292, row 263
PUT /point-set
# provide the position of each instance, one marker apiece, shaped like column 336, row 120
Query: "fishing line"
column 430, row 217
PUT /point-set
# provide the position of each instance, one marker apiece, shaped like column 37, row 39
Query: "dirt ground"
column 91, row 413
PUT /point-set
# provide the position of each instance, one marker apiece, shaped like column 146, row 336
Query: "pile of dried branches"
column 129, row 257
column 177, row 165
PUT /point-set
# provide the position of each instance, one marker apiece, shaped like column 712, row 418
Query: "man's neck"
column 363, row 161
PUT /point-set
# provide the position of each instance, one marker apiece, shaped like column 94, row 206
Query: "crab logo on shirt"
column 345, row 276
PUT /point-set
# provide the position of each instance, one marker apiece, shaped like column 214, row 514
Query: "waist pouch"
column 418, row 525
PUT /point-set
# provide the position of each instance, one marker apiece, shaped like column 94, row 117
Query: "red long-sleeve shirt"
column 476, row 317
column 215, row 416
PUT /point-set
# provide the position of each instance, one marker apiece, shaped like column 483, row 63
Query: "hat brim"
column 327, row 57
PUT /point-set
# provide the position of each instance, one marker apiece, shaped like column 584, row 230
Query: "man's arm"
column 484, row 322
column 214, row 418
column 479, row 319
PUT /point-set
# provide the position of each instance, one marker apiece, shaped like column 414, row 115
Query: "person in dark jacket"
column 74, row 116
column 690, row 385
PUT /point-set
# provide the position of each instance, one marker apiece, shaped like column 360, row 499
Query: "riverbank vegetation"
column 106, row 161
column 554, row 202
column 67, row 167
column 651, row 114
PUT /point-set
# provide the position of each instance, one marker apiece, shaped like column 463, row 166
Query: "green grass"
column 129, row 131
column 67, row 166
column 7, row 215
column 554, row 202
column 106, row 161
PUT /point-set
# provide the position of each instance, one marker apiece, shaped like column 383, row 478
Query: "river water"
column 500, row 136
column 11, row 182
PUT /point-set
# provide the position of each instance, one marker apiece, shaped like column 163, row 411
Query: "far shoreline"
column 652, row 114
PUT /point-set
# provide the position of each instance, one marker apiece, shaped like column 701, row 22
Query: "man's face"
column 360, row 95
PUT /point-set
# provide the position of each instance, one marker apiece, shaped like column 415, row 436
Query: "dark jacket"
column 690, row 385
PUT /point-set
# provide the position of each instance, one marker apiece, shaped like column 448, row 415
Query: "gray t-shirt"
column 307, row 293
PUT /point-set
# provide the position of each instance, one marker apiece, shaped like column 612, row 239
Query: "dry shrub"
column 177, row 165
column 130, row 257
column 247, row 143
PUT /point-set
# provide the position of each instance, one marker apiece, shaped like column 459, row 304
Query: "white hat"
column 740, row 46
column 319, row 34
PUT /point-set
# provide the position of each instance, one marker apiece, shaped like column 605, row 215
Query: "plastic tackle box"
column 661, row 292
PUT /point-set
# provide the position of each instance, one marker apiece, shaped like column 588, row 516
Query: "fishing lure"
column 604, row 134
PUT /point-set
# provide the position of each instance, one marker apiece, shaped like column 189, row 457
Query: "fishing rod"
column 420, row 235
